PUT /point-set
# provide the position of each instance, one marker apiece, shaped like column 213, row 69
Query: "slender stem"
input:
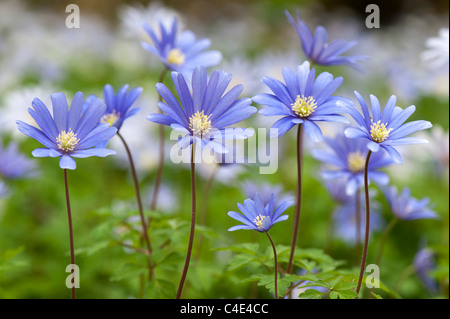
column 366, row 236
column 139, row 202
column 276, row 265
column 191, row 234
column 299, row 197
column 161, row 152
column 358, row 227
column 387, row 231
column 69, row 215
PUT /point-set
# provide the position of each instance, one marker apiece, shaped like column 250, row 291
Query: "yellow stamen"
column 176, row 56
column 356, row 162
column 378, row 132
column 66, row 141
column 259, row 220
column 304, row 106
column 199, row 123
column 110, row 118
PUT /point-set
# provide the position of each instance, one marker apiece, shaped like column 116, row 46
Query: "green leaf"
column 241, row 260
column 311, row 294
column 333, row 295
column 375, row 295
column 128, row 270
column 346, row 294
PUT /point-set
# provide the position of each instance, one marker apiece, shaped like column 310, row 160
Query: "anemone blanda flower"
column 69, row 133
column 258, row 216
column 302, row 100
column 406, row 207
column 180, row 52
column 316, row 48
column 424, row 263
column 347, row 158
column 14, row 164
column 384, row 129
column 205, row 114
column 437, row 52
column 118, row 105
column 265, row 191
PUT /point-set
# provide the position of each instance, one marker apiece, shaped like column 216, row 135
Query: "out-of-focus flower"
column 118, row 105
column 437, row 150
column 302, row 100
column 405, row 207
column 13, row 164
column 181, row 53
column 265, row 191
column 68, row 133
column 316, row 48
column 384, row 129
column 437, row 53
column 423, row 264
column 347, row 158
column 258, row 216
column 205, row 115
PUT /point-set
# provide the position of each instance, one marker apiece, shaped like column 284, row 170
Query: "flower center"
column 259, row 220
column 67, row 141
column 199, row 123
column 356, row 162
column 176, row 56
column 304, row 106
column 378, row 132
column 110, row 118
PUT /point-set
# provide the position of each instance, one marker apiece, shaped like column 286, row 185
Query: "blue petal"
column 280, row 127
column 313, row 131
column 100, row 152
column 67, row 162
column 60, row 110
column 33, row 132
column 374, row 147
column 409, row 128
column 45, row 152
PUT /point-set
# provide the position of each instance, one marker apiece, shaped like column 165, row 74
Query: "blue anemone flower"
column 118, row 105
column 348, row 157
column 180, row 53
column 318, row 51
column 384, row 129
column 405, row 207
column 258, row 216
column 69, row 133
column 424, row 263
column 13, row 164
column 302, row 100
column 205, row 114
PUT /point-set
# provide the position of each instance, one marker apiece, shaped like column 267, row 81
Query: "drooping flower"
column 205, row 114
column 424, row 263
column 118, row 105
column 304, row 99
column 69, row 133
column 406, row 207
column 180, row 52
column 437, row 52
column 347, row 158
column 384, row 129
column 257, row 216
column 13, row 164
column 318, row 51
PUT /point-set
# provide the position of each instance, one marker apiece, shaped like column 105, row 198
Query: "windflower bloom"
column 180, row 53
column 205, row 113
column 258, row 216
column 405, row 207
column 318, row 51
column 384, row 129
column 118, row 105
column 423, row 264
column 265, row 191
column 302, row 100
column 68, row 133
column 13, row 164
column 437, row 52
column 348, row 157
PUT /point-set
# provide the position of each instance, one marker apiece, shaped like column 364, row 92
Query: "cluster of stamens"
column 110, row 118
column 199, row 123
column 378, row 132
column 356, row 162
column 304, row 106
column 66, row 141
column 259, row 220
column 176, row 56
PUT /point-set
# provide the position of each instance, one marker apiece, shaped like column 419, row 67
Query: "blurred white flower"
column 438, row 49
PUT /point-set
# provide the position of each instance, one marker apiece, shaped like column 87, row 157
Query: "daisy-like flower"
column 405, row 207
column 204, row 114
column 318, row 51
column 13, row 164
column 68, row 133
column 438, row 49
column 384, row 129
column 265, row 191
column 180, row 53
column 258, row 216
column 302, row 100
column 347, row 158
column 118, row 105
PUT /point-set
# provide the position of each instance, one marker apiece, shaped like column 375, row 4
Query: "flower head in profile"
column 180, row 52
column 118, row 105
column 384, row 129
column 304, row 99
column 257, row 216
column 406, row 207
column 265, row 191
column 347, row 158
column 424, row 263
column 204, row 113
column 69, row 133
column 13, row 164
column 318, row 51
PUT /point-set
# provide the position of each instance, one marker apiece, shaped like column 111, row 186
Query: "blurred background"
column 39, row 55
